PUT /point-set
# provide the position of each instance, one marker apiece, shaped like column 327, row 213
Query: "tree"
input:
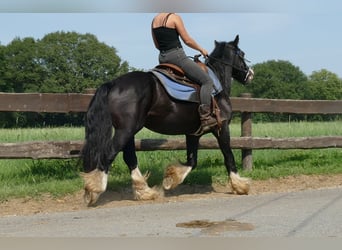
column 20, row 67
column 60, row 62
column 325, row 85
column 2, row 68
column 276, row 80
column 73, row 62
column 279, row 80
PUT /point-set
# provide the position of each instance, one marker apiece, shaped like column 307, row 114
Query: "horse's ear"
column 216, row 43
column 236, row 41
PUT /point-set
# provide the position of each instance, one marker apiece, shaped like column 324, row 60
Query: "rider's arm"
column 187, row 39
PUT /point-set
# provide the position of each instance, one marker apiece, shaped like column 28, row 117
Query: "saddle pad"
column 184, row 92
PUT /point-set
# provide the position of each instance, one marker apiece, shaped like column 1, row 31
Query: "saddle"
column 180, row 87
column 176, row 74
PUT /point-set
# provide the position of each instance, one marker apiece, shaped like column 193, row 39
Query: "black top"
column 167, row 38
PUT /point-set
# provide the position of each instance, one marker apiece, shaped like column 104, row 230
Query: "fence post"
column 246, row 131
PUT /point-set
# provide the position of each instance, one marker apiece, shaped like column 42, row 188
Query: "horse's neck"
column 224, row 74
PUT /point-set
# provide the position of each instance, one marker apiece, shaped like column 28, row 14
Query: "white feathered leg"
column 240, row 185
column 141, row 190
column 175, row 175
column 95, row 183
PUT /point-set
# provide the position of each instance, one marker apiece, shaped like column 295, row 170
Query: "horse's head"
column 229, row 55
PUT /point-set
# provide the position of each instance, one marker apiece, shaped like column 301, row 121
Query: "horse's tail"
column 98, row 131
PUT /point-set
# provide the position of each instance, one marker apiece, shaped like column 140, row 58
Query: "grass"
column 25, row 177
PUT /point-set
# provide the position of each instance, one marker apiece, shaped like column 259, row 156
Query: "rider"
column 166, row 30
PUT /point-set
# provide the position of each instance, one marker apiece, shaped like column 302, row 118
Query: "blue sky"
column 309, row 36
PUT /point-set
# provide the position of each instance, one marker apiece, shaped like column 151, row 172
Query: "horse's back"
column 134, row 79
column 132, row 84
column 137, row 99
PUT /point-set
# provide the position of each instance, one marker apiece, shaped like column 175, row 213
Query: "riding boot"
column 207, row 121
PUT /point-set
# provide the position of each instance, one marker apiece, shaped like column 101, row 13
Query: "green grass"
column 25, row 177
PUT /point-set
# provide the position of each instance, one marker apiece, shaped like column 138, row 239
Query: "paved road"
column 313, row 213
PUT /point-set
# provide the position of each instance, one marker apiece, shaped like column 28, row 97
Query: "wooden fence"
column 65, row 103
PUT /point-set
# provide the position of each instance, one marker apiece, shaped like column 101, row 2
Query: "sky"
column 306, row 33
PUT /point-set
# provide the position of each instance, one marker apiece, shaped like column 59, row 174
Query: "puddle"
column 217, row 227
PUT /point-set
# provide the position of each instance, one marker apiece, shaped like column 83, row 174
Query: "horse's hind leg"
column 95, row 183
column 141, row 190
column 176, row 173
column 96, row 180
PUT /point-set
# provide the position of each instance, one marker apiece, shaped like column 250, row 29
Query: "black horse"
column 136, row 100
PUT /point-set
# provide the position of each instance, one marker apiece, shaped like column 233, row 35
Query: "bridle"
column 248, row 72
column 237, row 52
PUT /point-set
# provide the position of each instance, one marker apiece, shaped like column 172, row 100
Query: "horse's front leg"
column 176, row 173
column 239, row 184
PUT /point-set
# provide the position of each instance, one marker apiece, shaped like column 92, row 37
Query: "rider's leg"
column 196, row 74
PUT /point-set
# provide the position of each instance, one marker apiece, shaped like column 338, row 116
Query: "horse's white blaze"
column 250, row 75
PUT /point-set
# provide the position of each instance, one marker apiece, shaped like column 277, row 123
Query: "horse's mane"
column 219, row 68
column 218, row 50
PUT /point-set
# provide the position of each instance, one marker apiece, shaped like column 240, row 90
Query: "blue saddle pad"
column 185, row 92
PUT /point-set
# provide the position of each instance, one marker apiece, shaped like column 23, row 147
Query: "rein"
column 238, row 53
column 226, row 63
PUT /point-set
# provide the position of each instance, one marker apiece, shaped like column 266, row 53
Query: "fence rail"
column 66, row 103
column 71, row 149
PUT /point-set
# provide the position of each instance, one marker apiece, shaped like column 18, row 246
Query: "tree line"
column 61, row 62
column 69, row 62
column 279, row 79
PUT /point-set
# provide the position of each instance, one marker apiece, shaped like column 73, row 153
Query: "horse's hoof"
column 146, row 193
column 239, row 185
column 168, row 183
column 90, row 198
column 95, row 184
column 141, row 190
column 175, row 175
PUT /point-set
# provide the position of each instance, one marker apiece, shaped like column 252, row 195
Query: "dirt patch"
column 48, row 204
column 216, row 227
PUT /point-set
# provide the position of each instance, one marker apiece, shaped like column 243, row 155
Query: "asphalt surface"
column 310, row 213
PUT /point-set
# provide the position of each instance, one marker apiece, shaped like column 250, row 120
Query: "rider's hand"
column 204, row 52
